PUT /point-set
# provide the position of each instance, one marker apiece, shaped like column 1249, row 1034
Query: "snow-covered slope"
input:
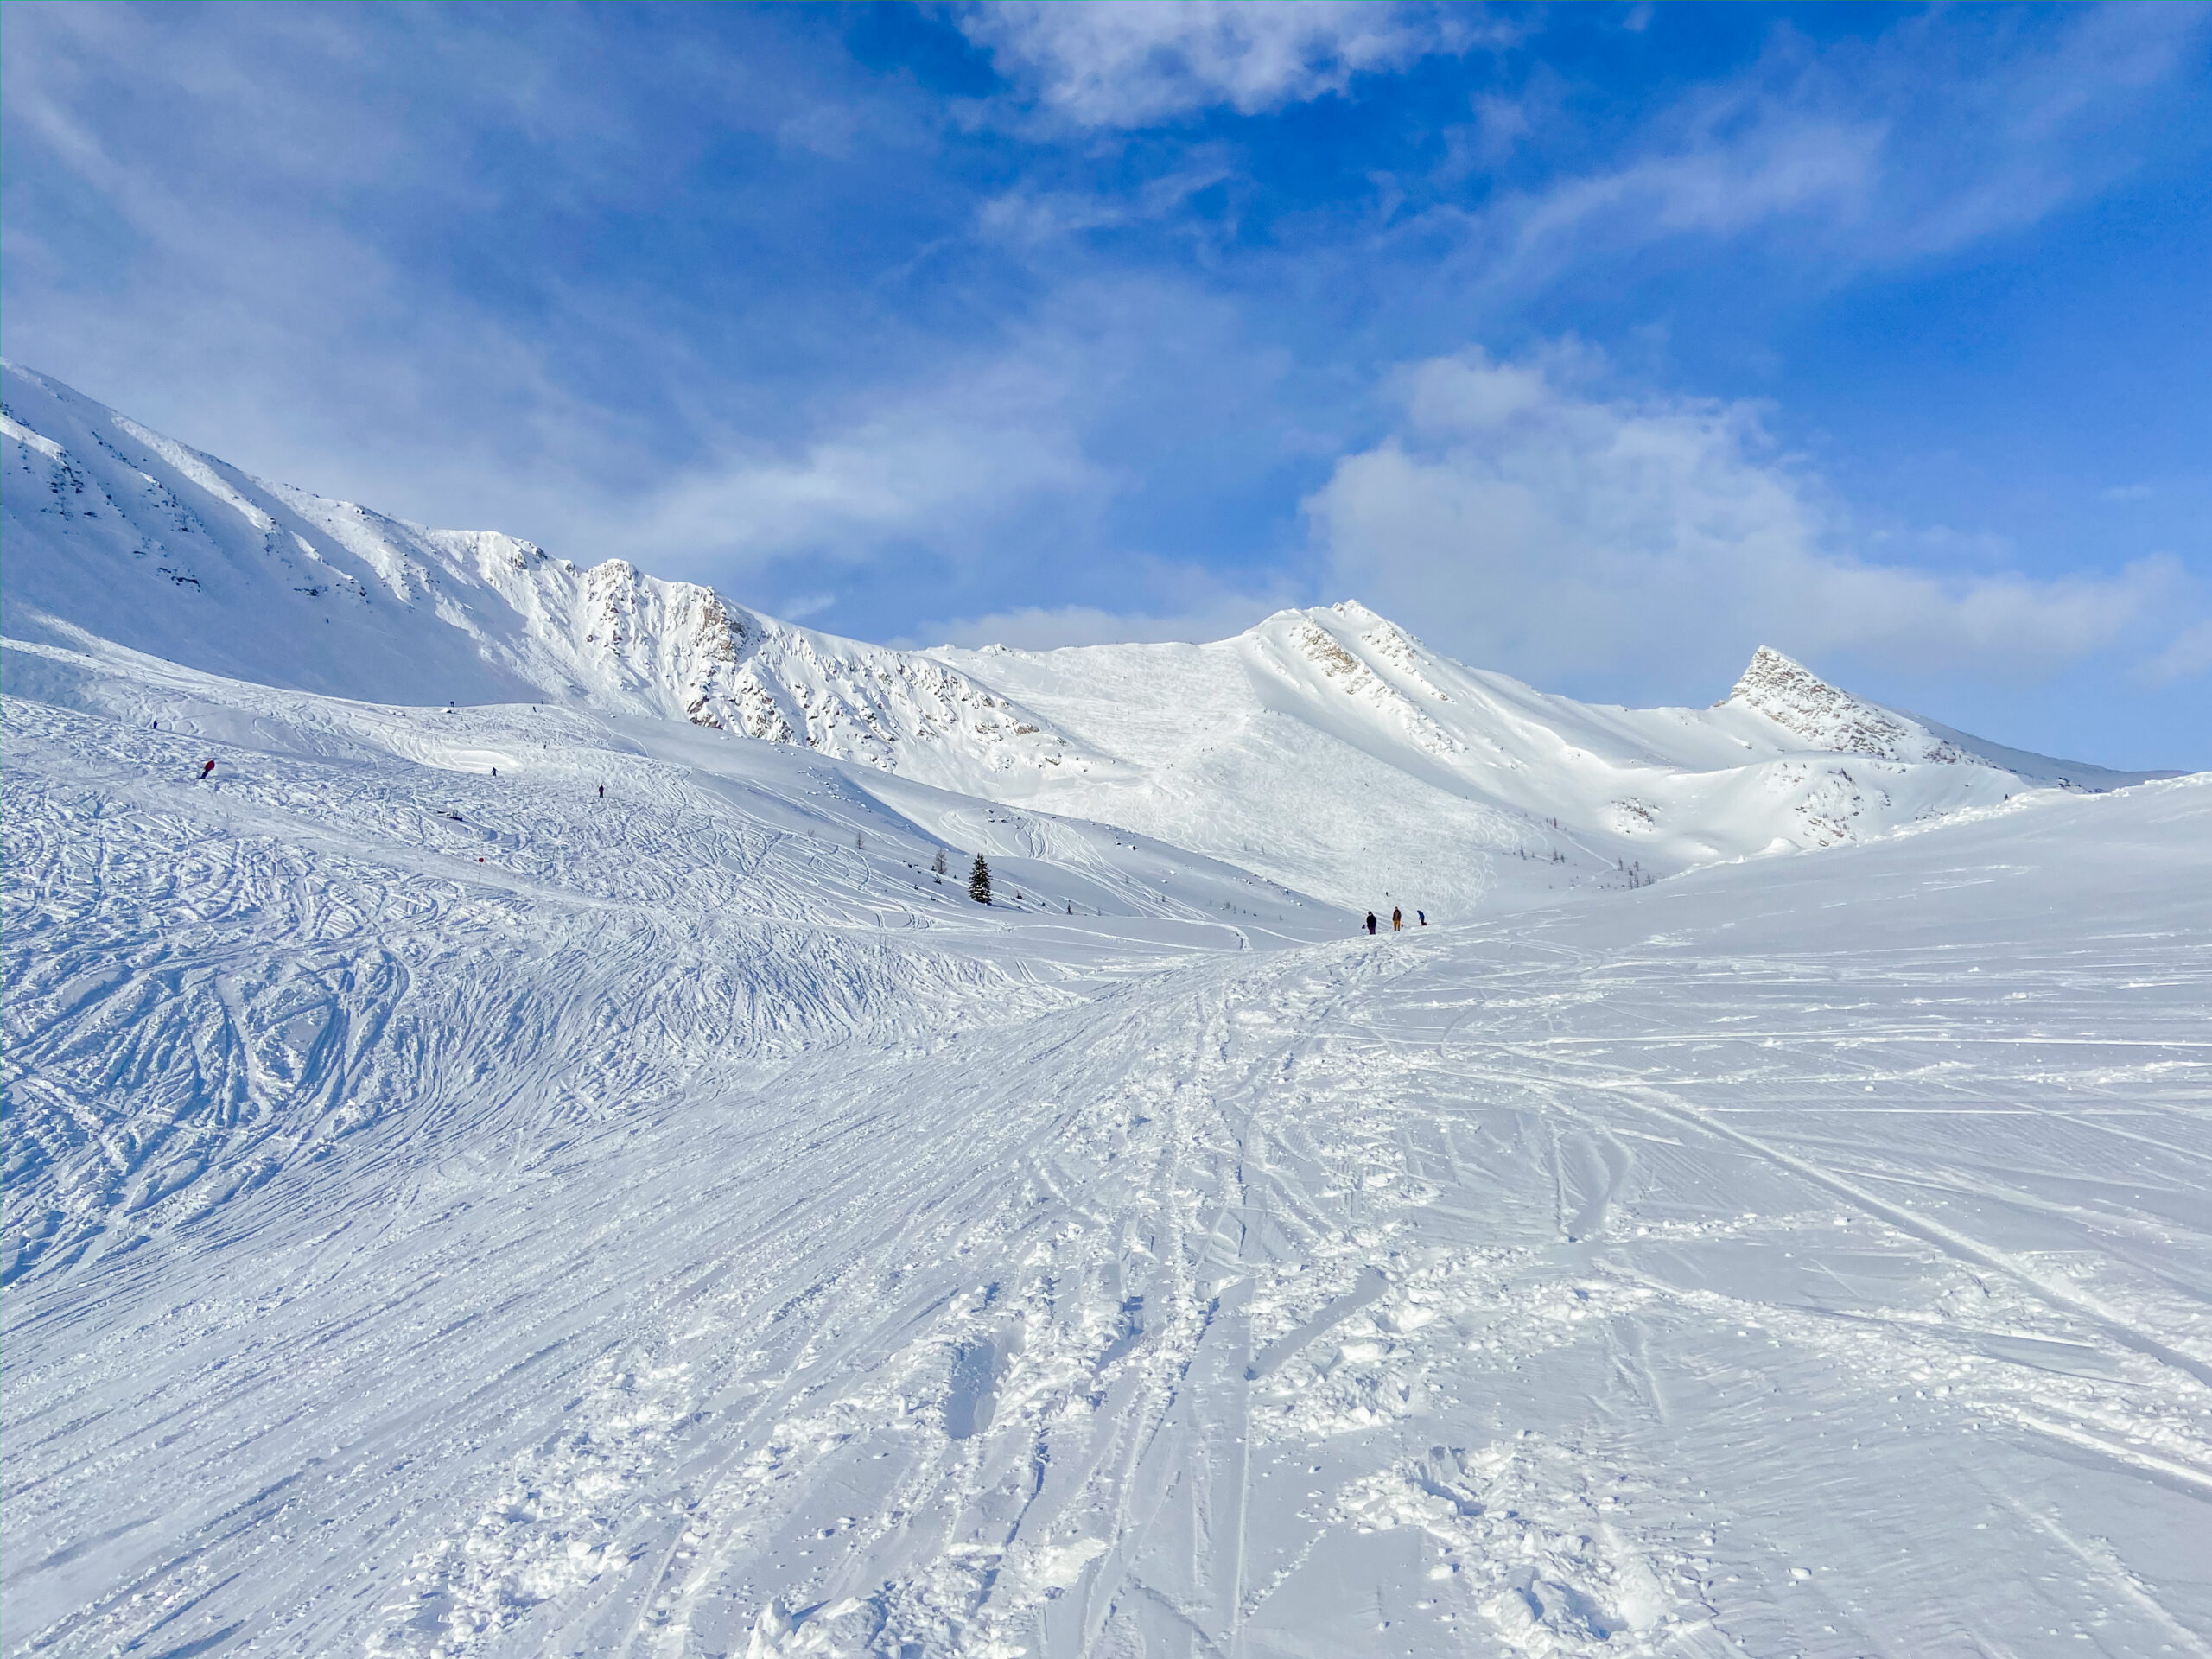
column 457, row 1214
column 454, row 880
column 116, row 533
column 1333, row 750
column 1328, row 749
column 451, row 1210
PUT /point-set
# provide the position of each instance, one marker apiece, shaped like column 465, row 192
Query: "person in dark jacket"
column 1370, row 921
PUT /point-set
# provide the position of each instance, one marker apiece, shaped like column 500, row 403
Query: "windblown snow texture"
column 459, row 1213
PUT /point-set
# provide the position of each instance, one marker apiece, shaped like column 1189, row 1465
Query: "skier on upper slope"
column 207, row 768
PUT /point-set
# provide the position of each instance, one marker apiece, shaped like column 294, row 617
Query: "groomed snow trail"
column 1810, row 1257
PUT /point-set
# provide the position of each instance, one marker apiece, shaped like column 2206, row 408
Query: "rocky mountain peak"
column 1828, row 717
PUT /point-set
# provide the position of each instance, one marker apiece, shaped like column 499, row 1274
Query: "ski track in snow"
column 688, row 1234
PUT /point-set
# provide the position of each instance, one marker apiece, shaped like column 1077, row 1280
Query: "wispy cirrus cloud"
column 1128, row 63
column 1908, row 146
column 945, row 470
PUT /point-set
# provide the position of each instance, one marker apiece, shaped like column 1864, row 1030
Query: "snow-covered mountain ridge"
column 1331, row 750
column 1827, row 717
column 118, row 533
column 1830, row 718
column 1328, row 749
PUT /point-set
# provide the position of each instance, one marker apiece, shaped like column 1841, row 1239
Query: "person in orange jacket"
column 1397, row 920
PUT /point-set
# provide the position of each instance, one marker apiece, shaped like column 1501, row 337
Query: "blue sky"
column 1597, row 345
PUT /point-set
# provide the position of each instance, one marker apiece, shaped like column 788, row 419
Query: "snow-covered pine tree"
column 979, row 881
column 939, row 865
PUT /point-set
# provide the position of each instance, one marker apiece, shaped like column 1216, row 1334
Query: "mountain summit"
column 118, row 533
column 1332, row 750
column 1828, row 717
column 1326, row 749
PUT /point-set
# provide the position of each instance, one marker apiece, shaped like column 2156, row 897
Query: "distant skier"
column 1397, row 920
column 1424, row 917
column 1370, row 923
column 602, row 791
column 205, row 769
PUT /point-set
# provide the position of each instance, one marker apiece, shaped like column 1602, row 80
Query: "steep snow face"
column 1333, row 750
column 1825, row 717
column 118, row 533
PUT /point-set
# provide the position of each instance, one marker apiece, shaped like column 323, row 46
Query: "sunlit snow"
column 451, row 1210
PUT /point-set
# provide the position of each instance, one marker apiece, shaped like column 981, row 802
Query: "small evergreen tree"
column 979, row 882
column 939, row 865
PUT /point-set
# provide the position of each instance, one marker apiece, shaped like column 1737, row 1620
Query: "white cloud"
column 1862, row 154
column 1129, row 63
column 1783, row 165
column 1029, row 218
column 1527, row 523
column 944, row 468
column 1033, row 627
column 801, row 605
column 1154, row 600
column 2188, row 655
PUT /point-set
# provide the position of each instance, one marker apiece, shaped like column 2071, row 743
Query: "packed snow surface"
column 457, row 1213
